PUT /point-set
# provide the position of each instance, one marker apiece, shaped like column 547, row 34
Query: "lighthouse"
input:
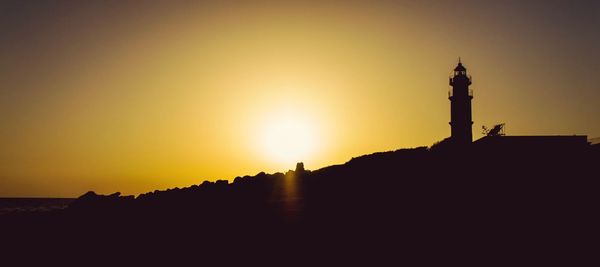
column 460, row 96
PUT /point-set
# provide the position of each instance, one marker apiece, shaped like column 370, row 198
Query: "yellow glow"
column 135, row 97
column 289, row 138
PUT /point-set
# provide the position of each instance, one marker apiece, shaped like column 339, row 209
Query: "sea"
column 9, row 205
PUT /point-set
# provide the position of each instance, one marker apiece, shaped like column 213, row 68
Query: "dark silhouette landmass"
column 484, row 203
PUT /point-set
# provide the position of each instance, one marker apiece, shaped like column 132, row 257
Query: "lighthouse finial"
column 459, row 60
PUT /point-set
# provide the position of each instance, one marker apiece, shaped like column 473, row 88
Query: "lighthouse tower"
column 460, row 106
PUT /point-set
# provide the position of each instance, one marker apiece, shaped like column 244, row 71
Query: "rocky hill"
column 442, row 203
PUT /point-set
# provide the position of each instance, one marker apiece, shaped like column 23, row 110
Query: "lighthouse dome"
column 460, row 67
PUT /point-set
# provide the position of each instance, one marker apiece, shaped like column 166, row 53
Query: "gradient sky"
column 131, row 97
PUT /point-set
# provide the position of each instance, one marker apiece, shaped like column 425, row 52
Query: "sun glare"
column 289, row 139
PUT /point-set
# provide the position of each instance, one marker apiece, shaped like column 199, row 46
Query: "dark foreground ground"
column 443, row 205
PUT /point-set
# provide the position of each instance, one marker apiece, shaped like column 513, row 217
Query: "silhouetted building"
column 540, row 143
column 461, row 125
column 299, row 167
column 460, row 105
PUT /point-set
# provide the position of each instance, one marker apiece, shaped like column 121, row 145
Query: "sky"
column 133, row 96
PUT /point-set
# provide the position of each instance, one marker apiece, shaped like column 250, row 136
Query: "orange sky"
column 131, row 97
